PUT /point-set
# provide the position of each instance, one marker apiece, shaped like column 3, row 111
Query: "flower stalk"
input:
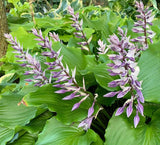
column 27, row 60
column 80, row 33
column 124, row 65
column 65, row 81
column 144, row 18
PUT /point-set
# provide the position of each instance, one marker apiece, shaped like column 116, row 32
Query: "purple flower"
column 142, row 25
column 136, row 120
column 78, row 26
column 102, row 47
column 124, row 65
column 86, row 124
column 54, row 36
column 124, row 92
column 130, row 109
column 111, row 94
column 39, row 77
column 91, row 109
column 139, row 93
column 63, row 78
column 140, row 107
column 119, row 111
column 75, row 106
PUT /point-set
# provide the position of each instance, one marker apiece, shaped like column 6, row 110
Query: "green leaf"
column 47, row 22
column 62, row 6
column 108, row 101
column 25, row 139
column 46, row 95
column 76, row 4
column 154, row 4
column 71, row 56
column 88, row 32
column 149, row 64
column 6, row 134
column 13, row 115
column 55, row 133
column 13, row 1
column 101, row 74
column 120, row 131
column 36, row 125
column 7, row 80
column 26, row 39
column 107, row 23
column 26, row 26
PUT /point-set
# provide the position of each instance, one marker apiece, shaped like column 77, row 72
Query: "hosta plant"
column 93, row 85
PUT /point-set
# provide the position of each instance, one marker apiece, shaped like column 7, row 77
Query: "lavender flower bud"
column 76, row 106
column 136, row 120
column 120, row 111
column 130, row 109
column 124, row 92
column 111, row 94
column 86, row 124
column 54, row 36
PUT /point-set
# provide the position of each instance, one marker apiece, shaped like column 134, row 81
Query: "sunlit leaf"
column 120, row 131
column 55, row 133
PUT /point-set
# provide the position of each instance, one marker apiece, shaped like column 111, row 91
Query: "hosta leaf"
column 107, row 24
column 36, row 125
column 46, row 95
column 55, row 133
column 71, row 56
column 76, row 4
column 6, row 134
column 13, row 115
column 62, row 6
column 154, row 4
column 120, row 131
column 104, row 100
column 26, row 26
column 7, row 80
column 47, row 22
column 101, row 74
column 25, row 139
column 26, row 39
column 88, row 32
column 150, row 73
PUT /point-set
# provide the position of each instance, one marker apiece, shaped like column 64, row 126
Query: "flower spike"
column 144, row 20
column 125, row 66
column 78, row 26
column 27, row 60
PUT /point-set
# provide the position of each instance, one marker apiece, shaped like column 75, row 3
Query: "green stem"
column 98, row 128
column 100, row 122
column 106, row 113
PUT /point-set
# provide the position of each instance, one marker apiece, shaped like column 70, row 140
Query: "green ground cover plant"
column 81, row 76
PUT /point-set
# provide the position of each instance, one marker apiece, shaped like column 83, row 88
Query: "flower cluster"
column 78, row 26
column 39, row 77
column 63, row 79
column 125, row 66
column 102, row 47
column 54, row 36
column 142, row 25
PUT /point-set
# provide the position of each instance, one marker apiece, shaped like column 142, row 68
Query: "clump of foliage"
column 65, row 85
